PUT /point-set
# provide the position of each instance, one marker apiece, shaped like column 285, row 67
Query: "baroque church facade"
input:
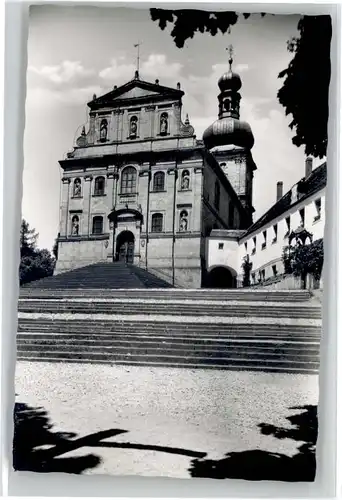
column 139, row 187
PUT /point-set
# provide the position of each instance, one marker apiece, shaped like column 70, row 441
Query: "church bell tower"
column 230, row 139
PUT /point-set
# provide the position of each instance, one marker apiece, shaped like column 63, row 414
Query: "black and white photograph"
column 172, row 243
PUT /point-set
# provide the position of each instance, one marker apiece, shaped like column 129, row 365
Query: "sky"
column 74, row 52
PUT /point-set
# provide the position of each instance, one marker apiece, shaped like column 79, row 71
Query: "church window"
column 133, row 127
column 128, row 180
column 103, row 130
column 164, row 122
column 231, row 214
column 77, row 190
column 184, row 221
column 217, row 195
column 157, row 223
column 97, row 224
column 246, row 246
column 99, row 189
column 75, row 225
column 302, row 216
column 185, row 181
column 158, row 181
column 318, row 205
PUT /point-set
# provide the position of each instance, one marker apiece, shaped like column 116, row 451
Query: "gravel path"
column 209, row 411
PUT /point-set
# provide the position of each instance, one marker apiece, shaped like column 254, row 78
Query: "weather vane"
column 230, row 52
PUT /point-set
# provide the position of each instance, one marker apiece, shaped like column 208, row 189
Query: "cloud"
column 156, row 66
column 66, row 72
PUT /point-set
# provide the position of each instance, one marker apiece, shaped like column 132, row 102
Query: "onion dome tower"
column 230, row 139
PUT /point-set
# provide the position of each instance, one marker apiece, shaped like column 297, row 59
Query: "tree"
column 305, row 90
column 304, row 93
column 35, row 263
column 302, row 260
column 28, row 239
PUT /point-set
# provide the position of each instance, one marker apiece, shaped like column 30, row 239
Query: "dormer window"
column 275, row 233
column 287, row 226
column 254, row 245
column 318, row 206
column 263, row 245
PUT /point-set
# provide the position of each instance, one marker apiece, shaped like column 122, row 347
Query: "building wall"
column 223, row 252
column 271, row 255
column 227, row 215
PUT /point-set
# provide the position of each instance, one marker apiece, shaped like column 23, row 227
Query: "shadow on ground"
column 36, row 448
column 258, row 465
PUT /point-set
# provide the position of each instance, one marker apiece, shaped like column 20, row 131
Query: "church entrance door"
column 125, row 247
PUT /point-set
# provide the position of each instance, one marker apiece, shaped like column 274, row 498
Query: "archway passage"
column 220, row 277
column 125, row 247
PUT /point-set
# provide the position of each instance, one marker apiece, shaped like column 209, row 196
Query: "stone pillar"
column 87, row 204
column 64, row 209
column 197, row 198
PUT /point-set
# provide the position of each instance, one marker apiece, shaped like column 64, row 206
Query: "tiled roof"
column 305, row 188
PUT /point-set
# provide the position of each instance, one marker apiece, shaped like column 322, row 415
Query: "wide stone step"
column 173, row 343
column 170, row 309
column 162, row 359
column 173, row 294
column 201, row 353
column 115, row 327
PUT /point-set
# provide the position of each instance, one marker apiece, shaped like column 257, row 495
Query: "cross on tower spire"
column 230, row 52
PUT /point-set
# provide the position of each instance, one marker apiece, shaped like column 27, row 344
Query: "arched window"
column 75, row 225
column 157, row 223
column 164, row 123
column 128, row 180
column 217, row 195
column 77, row 191
column 103, row 130
column 185, row 182
column 99, row 189
column 97, row 224
column 133, row 126
column 184, row 221
column 158, row 181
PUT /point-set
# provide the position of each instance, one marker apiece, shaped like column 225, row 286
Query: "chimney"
column 279, row 190
column 308, row 167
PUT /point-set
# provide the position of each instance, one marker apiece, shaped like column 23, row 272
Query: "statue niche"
column 183, row 221
column 77, row 192
column 75, row 225
column 103, row 130
column 185, row 182
column 133, row 127
column 164, row 124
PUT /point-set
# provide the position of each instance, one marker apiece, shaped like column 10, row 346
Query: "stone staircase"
column 277, row 331
column 114, row 275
